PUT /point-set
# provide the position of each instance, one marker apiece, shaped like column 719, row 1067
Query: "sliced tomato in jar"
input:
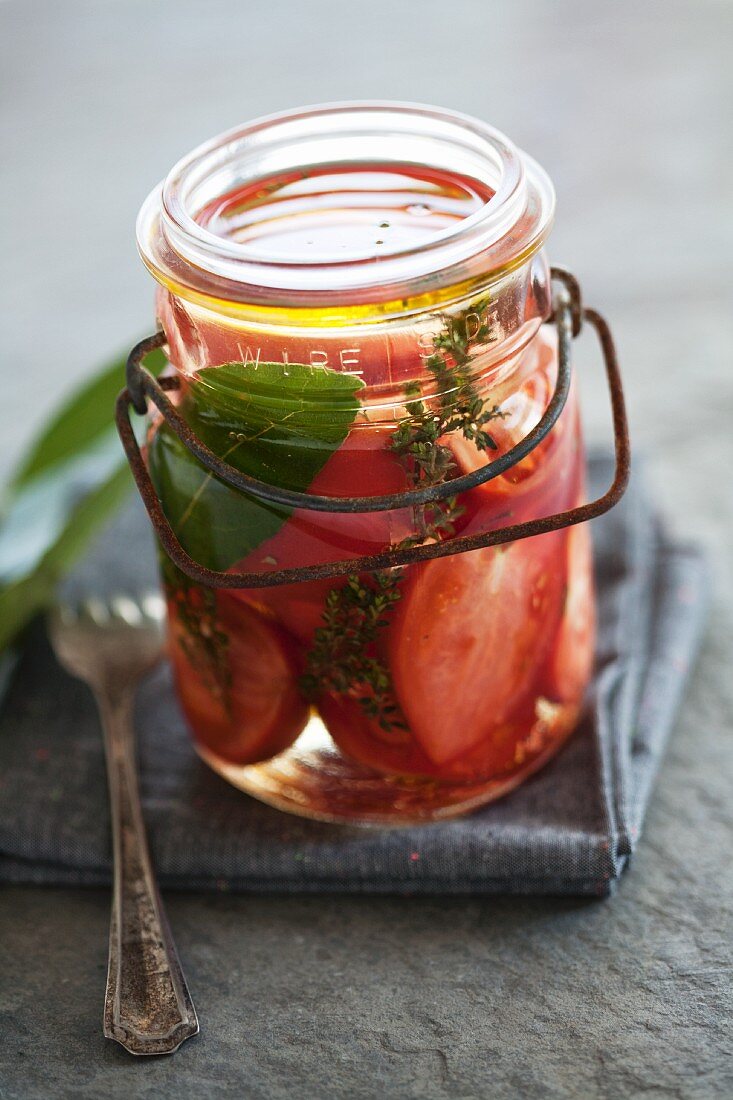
column 261, row 711
column 362, row 466
column 398, row 753
column 546, row 479
column 299, row 606
column 469, row 637
column 572, row 656
column 391, row 752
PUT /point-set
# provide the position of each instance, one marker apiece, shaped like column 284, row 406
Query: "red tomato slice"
column 546, row 481
column 265, row 711
column 298, row 607
column 468, row 638
column 361, row 738
column 362, row 466
column 572, row 657
column 398, row 753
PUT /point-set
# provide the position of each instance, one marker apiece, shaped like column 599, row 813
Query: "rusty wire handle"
column 568, row 316
column 143, row 386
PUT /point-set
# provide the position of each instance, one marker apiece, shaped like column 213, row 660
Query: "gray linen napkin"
column 568, row 830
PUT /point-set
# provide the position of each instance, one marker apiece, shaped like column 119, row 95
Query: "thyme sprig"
column 343, row 659
column 205, row 644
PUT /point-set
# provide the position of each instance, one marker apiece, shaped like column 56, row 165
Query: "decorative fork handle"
column 147, row 1007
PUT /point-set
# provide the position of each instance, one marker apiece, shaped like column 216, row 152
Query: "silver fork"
column 111, row 645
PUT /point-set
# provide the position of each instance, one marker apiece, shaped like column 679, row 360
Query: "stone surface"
column 333, row 997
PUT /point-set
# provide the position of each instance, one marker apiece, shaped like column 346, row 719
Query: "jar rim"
column 506, row 229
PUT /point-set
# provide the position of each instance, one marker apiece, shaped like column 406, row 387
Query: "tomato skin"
column 468, row 637
column 265, row 711
column 398, row 753
column 363, row 465
column 361, row 738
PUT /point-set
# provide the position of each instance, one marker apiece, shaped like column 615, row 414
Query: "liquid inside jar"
column 453, row 678
column 332, row 215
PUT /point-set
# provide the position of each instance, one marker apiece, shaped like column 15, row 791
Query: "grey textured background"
column 627, row 105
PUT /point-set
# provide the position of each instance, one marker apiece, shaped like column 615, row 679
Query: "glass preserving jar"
column 355, row 301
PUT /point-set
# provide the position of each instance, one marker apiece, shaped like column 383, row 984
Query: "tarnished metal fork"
column 111, row 645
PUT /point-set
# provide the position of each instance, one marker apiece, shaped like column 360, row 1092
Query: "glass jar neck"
column 340, row 213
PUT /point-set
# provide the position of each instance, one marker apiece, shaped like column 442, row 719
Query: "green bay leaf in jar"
column 279, row 423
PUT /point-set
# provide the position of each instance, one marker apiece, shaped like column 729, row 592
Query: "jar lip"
column 509, row 226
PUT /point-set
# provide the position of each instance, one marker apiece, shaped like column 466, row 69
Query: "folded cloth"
column 568, row 830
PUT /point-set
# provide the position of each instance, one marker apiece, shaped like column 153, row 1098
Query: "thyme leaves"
column 343, row 659
column 203, row 641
